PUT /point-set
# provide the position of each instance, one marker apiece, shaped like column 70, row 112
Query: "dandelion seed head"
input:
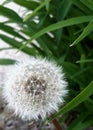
column 35, row 88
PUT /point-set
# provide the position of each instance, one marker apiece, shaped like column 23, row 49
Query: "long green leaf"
column 77, row 123
column 7, row 61
column 11, row 31
column 42, row 40
column 88, row 3
column 77, row 100
column 31, row 5
column 9, row 13
column 87, row 30
column 63, row 23
column 84, row 61
column 17, row 44
column 82, row 7
column 27, row 17
column 73, row 72
column 64, row 8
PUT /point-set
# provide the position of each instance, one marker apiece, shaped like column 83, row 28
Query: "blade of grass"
column 88, row 3
column 27, row 17
column 27, row 4
column 63, row 23
column 71, row 69
column 78, row 121
column 9, row 13
column 87, row 30
column 41, row 41
column 82, row 96
column 7, row 61
column 82, row 7
column 64, row 8
column 84, row 61
column 11, row 31
column 17, row 45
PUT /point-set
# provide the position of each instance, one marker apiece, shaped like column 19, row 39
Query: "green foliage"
column 63, row 32
column 10, row 14
column 7, row 61
column 77, row 100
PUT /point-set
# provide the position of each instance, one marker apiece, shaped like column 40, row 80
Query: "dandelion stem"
column 56, row 124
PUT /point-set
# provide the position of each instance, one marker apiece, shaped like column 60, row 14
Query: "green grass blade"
column 17, row 44
column 9, row 13
column 63, row 23
column 41, row 41
column 77, row 100
column 77, row 123
column 64, row 8
column 7, row 61
column 84, row 61
column 11, row 30
column 73, row 72
column 87, row 30
column 31, row 5
column 88, row 3
column 27, row 17
column 82, row 7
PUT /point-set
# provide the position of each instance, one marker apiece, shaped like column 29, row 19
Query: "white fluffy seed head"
column 35, row 88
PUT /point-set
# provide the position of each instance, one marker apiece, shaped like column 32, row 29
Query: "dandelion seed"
column 35, row 88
